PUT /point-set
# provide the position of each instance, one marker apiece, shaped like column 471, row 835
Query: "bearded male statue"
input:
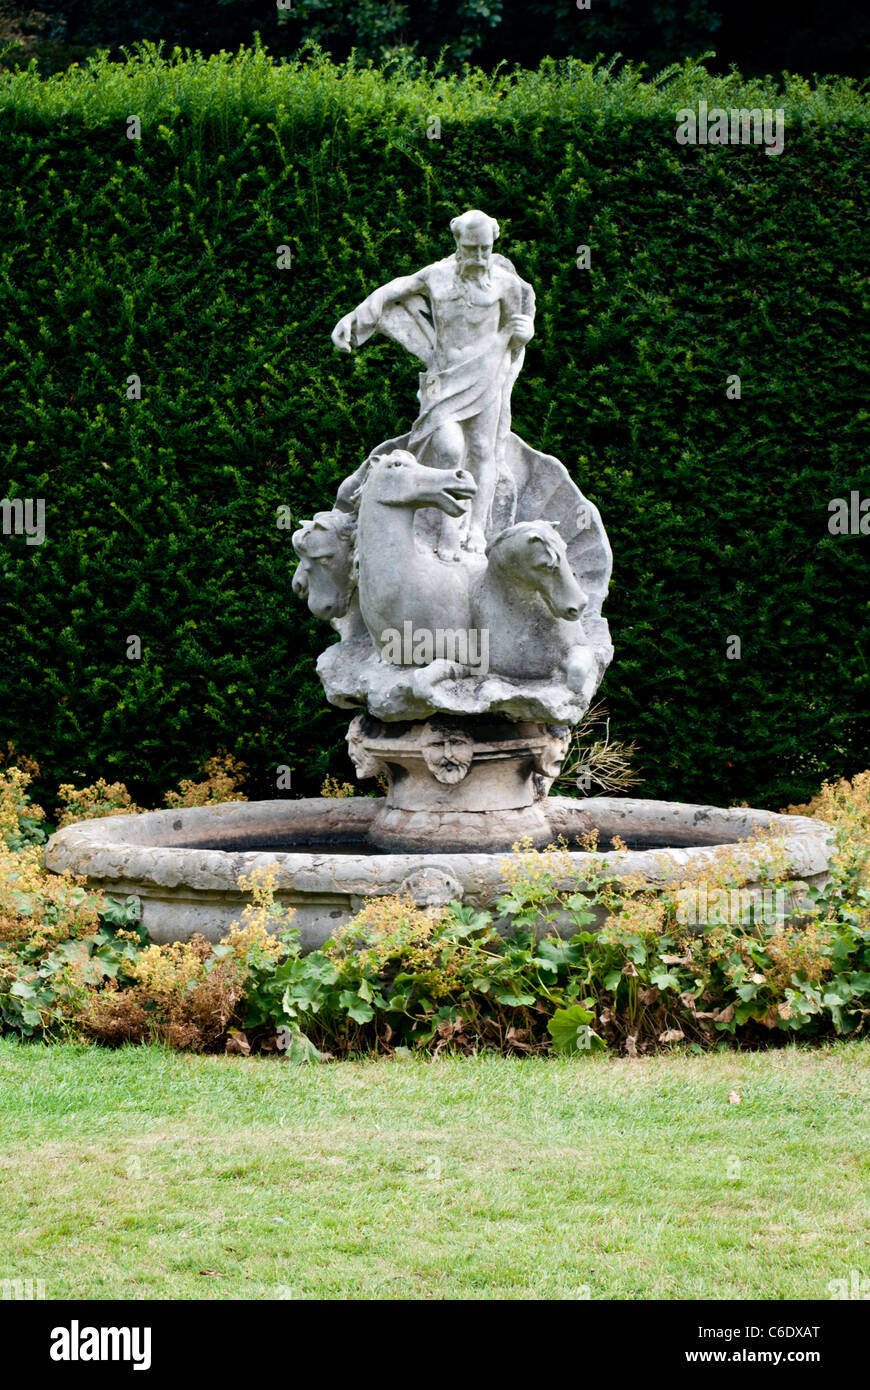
column 467, row 318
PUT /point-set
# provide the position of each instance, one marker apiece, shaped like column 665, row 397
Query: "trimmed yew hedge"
column 158, row 257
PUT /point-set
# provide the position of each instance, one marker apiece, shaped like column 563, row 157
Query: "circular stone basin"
column 185, row 865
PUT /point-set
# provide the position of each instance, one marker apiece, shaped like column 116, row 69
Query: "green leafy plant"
column 42, row 989
column 570, row 1030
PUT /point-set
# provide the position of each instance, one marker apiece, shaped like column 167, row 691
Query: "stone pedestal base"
column 459, row 784
column 457, row 832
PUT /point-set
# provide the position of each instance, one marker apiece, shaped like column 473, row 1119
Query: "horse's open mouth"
column 455, row 499
column 461, row 492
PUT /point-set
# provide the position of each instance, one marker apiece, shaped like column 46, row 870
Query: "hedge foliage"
column 158, row 257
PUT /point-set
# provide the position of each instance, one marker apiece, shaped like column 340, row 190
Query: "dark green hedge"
column 158, row 257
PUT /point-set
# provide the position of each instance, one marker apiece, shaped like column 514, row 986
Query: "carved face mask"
column 447, row 754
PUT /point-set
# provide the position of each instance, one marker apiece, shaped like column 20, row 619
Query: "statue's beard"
column 469, row 270
column 451, row 772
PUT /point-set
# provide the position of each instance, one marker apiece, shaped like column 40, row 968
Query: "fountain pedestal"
column 459, row 784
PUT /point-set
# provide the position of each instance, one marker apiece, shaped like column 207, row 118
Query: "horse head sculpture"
column 533, row 555
column 325, row 574
column 398, row 479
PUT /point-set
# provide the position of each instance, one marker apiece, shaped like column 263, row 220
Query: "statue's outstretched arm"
column 359, row 325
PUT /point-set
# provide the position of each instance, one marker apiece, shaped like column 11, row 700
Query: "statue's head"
column 361, row 755
column 447, row 751
column 474, row 233
column 325, row 573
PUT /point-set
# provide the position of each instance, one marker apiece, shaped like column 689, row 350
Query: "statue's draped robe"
column 456, row 393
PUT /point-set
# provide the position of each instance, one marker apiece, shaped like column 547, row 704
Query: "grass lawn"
column 143, row 1173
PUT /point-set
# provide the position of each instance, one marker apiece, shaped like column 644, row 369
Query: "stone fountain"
column 464, row 574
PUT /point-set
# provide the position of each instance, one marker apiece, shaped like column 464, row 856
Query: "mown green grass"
column 144, row 1173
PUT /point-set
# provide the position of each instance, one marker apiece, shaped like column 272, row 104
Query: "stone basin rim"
column 128, row 848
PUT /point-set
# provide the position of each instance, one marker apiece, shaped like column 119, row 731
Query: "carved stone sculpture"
column 468, row 319
column 463, row 570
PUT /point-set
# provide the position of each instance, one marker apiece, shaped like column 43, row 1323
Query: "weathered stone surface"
column 352, row 675
column 458, row 783
column 185, row 865
column 459, row 832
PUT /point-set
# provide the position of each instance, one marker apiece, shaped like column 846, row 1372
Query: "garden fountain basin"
column 184, row 865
